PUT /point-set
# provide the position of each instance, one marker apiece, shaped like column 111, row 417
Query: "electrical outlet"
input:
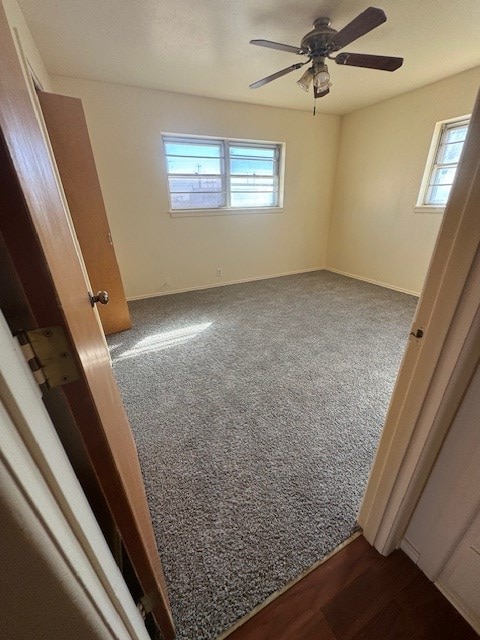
column 219, row 272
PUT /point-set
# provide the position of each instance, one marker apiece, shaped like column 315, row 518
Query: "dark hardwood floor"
column 359, row 595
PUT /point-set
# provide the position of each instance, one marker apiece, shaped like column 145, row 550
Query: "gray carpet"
column 256, row 409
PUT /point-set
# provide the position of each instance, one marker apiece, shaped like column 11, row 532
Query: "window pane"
column 191, row 149
column 443, row 176
column 449, row 152
column 197, row 200
column 197, row 184
column 252, row 152
column 456, row 134
column 438, row 195
column 253, row 199
column 251, row 167
column 193, row 165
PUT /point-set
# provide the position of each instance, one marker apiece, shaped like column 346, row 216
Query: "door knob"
column 102, row 297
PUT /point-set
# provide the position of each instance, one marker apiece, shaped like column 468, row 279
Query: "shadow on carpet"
column 256, row 409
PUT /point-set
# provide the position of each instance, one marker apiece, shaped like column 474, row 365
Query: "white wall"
column 374, row 232
column 125, row 125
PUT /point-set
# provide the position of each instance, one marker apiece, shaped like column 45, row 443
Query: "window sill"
column 426, row 208
column 195, row 213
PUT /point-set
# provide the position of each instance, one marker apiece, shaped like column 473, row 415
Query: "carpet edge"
column 225, row 634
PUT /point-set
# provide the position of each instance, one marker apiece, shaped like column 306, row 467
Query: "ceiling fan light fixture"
column 321, row 78
column 306, row 79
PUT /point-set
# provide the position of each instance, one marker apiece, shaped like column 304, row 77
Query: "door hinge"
column 48, row 355
column 147, row 603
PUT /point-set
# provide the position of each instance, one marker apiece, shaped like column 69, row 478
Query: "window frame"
column 431, row 163
column 225, row 175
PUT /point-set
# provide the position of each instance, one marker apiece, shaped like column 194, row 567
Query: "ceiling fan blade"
column 276, row 75
column 359, row 26
column 383, row 63
column 277, row 45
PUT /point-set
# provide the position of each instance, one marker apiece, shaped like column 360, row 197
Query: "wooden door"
column 68, row 133
column 37, row 234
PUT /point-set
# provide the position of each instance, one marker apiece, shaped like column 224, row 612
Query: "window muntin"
column 442, row 166
column 221, row 174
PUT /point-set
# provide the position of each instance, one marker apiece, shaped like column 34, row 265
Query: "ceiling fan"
column 320, row 43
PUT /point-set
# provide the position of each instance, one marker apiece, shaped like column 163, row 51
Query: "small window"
column 447, row 145
column 207, row 173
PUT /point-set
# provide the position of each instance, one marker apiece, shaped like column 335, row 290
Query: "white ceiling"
column 201, row 47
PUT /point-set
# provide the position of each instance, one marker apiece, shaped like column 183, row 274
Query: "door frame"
column 49, row 497
column 436, row 368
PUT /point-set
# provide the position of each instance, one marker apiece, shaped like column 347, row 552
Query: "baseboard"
column 475, row 624
column 407, row 547
column 370, row 281
column 274, row 596
column 222, row 284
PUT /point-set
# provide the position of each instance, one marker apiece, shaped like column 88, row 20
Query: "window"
column 208, row 173
column 447, row 145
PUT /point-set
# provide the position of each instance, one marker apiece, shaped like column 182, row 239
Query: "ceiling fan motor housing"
column 318, row 42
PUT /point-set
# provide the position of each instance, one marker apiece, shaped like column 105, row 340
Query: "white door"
column 460, row 580
column 443, row 536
